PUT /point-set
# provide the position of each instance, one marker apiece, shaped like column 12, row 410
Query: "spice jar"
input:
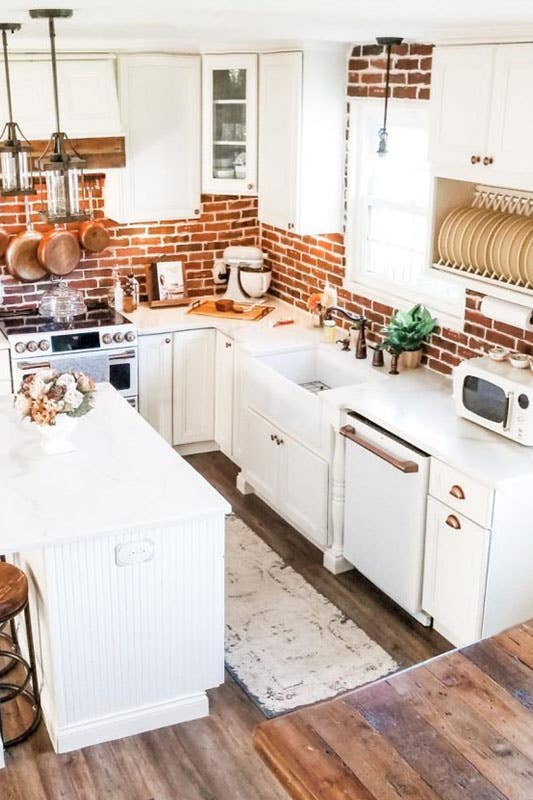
column 330, row 331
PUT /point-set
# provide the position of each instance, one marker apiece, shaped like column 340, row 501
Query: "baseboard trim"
column 335, row 563
column 128, row 723
column 197, row 447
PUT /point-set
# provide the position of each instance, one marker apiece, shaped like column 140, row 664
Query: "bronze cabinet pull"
column 457, row 492
column 475, row 159
column 488, row 160
column 453, row 522
column 273, row 437
column 348, row 431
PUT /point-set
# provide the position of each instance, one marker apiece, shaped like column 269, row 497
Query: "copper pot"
column 22, row 253
column 410, row 359
column 93, row 235
column 59, row 252
column 4, row 241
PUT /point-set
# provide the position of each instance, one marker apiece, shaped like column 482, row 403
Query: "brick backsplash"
column 300, row 264
column 223, row 220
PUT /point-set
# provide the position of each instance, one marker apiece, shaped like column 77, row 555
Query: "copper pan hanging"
column 59, row 252
column 93, row 235
column 21, row 254
column 4, row 241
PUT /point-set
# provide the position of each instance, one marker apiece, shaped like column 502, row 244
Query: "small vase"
column 410, row 359
column 318, row 319
column 55, row 439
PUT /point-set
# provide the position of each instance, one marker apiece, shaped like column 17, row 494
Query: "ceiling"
column 218, row 24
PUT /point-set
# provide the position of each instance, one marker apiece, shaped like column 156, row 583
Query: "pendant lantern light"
column 60, row 164
column 15, row 150
column 388, row 42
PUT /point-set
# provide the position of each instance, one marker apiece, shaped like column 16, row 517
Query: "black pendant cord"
column 51, row 29
column 387, row 84
column 8, row 83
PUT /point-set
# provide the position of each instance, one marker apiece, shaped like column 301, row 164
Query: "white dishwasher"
column 385, row 511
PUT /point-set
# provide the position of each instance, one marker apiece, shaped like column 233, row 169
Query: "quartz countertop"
column 122, row 476
column 259, row 336
column 416, row 405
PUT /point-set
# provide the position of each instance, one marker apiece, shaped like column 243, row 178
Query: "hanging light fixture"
column 15, row 150
column 60, row 163
column 388, row 42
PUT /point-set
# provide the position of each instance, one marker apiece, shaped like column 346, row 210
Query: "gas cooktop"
column 28, row 320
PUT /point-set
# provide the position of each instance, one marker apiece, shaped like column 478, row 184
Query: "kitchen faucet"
column 359, row 320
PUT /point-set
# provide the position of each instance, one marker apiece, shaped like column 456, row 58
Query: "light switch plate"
column 134, row 552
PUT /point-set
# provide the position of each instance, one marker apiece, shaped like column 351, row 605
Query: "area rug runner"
column 286, row 644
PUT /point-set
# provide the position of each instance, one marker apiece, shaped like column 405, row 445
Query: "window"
column 389, row 206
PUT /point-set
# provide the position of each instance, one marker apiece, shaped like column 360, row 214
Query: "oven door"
column 122, row 371
column 486, row 402
column 117, row 367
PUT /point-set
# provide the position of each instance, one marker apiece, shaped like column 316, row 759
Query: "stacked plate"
column 489, row 243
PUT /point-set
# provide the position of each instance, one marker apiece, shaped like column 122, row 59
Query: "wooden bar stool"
column 14, row 601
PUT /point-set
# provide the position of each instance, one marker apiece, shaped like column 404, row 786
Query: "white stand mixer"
column 248, row 279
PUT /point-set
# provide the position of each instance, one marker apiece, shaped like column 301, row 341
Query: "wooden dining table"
column 456, row 727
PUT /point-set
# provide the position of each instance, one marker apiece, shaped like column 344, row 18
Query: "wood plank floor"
column 459, row 727
column 212, row 758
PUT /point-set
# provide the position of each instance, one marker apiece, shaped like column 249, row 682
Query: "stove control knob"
column 32, row 346
column 118, row 337
column 44, row 345
column 20, row 347
column 130, row 336
column 107, row 338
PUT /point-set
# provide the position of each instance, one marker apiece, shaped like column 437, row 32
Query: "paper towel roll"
column 511, row 313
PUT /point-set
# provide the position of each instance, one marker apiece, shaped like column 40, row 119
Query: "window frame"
column 394, row 293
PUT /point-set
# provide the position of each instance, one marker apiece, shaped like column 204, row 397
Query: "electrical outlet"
column 134, row 553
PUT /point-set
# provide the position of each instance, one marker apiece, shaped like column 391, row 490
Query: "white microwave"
column 496, row 395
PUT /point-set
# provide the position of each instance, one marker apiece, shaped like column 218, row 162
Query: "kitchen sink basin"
column 319, row 368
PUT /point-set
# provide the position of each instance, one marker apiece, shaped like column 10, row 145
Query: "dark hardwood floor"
column 211, row 758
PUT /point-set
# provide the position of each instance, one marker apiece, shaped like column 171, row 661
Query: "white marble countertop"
column 4, row 344
column 259, row 336
column 415, row 405
column 418, row 406
column 122, row 476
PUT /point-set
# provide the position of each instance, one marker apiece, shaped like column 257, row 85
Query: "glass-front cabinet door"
column 230, row 124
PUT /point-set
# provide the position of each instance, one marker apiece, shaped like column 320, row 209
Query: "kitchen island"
column 123, row 543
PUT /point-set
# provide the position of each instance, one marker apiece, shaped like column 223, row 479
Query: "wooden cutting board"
column 207, row 308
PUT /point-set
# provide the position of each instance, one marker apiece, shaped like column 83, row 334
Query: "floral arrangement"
column 45, row 394
column 314, row 304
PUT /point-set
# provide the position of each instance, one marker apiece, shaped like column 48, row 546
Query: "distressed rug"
column 286, row 644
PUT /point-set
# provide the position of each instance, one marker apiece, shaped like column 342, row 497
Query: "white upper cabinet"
column 482, row 114
column 302, row 140
column 229, row 102
column 160, row 105
column 511, row 125
column 88, row 103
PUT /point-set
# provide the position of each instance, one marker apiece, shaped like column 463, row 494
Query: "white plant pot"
column 55, row 439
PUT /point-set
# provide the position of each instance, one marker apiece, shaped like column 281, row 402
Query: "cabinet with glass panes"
column 230, row 124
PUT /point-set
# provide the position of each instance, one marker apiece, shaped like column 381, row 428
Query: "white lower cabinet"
column 288, row 476
column 155, row 382
column 193, row 413
column 455, row 573
column 303, row 490
column 224, row 378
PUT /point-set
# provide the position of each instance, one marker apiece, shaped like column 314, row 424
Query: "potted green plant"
column 406, row 333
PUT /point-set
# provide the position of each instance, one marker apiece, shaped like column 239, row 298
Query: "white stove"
column 101, row 342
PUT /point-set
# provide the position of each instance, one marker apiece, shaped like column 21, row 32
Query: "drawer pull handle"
column 453, row 522
column 457, row 492
column 273, row 437
column 475, row 159
column 348, row 431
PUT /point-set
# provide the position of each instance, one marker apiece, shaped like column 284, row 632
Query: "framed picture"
column 166, row 283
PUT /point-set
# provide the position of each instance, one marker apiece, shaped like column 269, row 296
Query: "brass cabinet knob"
column 488, row 160
column 475, row 159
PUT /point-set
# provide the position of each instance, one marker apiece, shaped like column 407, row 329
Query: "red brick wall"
column 223, row 221
column 301, row 264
